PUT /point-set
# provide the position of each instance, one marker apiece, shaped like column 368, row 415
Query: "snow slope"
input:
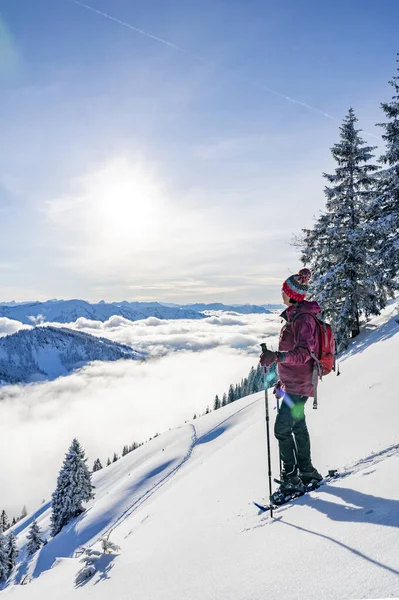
column 181, row 506
column 47, row 352
column 67, row 311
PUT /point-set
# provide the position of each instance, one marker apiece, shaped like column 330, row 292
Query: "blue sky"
column 132, row 169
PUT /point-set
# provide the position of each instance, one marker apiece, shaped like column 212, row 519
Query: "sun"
column 125, row 203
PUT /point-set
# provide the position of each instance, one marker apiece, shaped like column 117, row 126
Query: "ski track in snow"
column 156, row 486
column 195, row 440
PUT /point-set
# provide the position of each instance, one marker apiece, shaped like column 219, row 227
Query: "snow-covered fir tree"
column 108, row 462
column 230, row 395
column 73, row 488
column 35, row 541
column 346, row 282
column 224, row 400
column 216, row 404
column 3, row 557
column 97, row 466
column 107, row 546
column 385, row 208
column 115, row 457
column 4, row 522
column 24, row 512
column 11, row 551
column 125, row 450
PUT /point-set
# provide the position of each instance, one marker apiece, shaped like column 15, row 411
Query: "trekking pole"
column 279, row 454
column 269, row 464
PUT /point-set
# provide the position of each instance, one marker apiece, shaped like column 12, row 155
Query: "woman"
column 298, row 341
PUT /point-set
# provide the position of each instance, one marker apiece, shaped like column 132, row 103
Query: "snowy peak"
column 47, row 352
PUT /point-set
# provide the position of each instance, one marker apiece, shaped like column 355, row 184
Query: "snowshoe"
column 290, row 487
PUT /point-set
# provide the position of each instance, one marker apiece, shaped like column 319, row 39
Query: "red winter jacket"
column 298, row 338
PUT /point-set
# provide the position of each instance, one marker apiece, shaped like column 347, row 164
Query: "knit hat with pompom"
column 297, row 286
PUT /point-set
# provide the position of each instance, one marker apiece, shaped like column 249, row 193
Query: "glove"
column 267, row 358
column 277, row 391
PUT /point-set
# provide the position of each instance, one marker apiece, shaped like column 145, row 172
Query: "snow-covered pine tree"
column 385, row 208
column 216, row 404
column 97, row 466
column 224, row 399
column 108, row 462
column 258, row 383
column 125, row 451
column 73, row 488
column 345, row 281
column 116, row 457
column 107, row 546
column 251, row 381
column 12, row 551
column 230, row 395
column 4, row 522
column 3, row 558
column 34, row 538
column 24, row 512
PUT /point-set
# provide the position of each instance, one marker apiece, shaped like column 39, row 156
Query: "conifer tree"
column 230, row 395
column 125, row 451
column 251, row 381
column 258, row 382
column 116, row 457
column 12, row 551
column 3, row 558
column 4, row 522
column 216, row 404
column 108, row 462
column 24, row 512
column 97, row 466
column 224, row 400
column 385, row 208
column 345, row 281
column 35, row 541
column 73, row 488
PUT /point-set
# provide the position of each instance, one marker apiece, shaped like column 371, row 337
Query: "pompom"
column 304, row 275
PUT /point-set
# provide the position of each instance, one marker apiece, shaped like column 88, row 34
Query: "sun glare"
column 125, row 203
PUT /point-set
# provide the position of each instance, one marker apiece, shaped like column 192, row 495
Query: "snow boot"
column 310, row 476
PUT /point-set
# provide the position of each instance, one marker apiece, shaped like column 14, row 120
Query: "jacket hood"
column 303, row 307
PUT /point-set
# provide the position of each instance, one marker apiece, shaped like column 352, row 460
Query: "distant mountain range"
column 47, row 352
column 68, row 311
column 244, row 309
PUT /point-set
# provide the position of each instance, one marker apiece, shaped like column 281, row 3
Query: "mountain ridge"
column 46, row 352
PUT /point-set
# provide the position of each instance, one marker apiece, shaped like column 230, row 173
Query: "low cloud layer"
column 107, row 405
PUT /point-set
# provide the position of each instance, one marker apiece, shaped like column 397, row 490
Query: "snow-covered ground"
column 180, row 507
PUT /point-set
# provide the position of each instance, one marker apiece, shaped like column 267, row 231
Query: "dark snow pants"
column 293, row 437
